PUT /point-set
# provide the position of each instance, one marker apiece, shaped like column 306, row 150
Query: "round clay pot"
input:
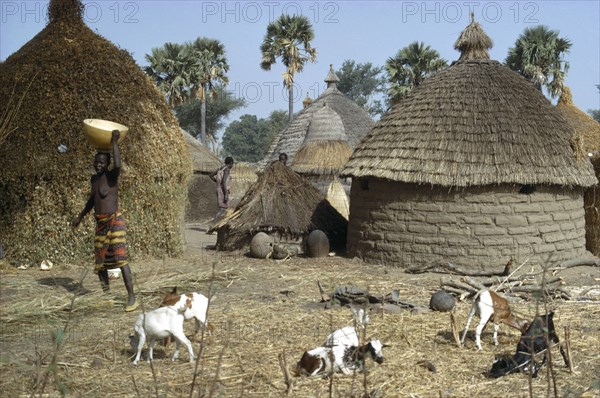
column 317, row 244
column 261, row 245
column 441, row 301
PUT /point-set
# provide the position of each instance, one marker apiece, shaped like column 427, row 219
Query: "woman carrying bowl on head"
column 110, row 245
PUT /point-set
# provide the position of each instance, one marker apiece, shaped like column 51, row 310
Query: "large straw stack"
column 76, row 74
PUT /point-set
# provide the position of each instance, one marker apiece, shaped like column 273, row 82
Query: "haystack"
column 474, row 167
column 202, row 198
column 587, row 138
column 323, row 155
column 356, row 121
column 281, row 203
column 76, row 74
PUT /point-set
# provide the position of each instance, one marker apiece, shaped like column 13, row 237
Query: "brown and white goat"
column 193, row 305
column 488, row 305
column 324, row 361
column 158, row 324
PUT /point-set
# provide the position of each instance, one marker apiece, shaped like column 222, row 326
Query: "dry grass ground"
column 262, row 308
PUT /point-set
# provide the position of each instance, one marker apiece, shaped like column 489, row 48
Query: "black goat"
column 538, row 338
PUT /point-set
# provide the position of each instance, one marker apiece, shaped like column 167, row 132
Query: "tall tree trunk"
column 291, row 101
column 203, row 118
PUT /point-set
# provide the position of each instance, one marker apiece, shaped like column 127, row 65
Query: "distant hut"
column 280, row 203
column 202, row 196
column 587, row 139
column 323, row 155
column 243, row 175
column 355, row 119
column 76, row 74
column 474, row 167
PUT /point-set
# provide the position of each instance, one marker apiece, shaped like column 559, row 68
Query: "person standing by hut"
column 283, row 157
column 223, row 179
column 110, row 242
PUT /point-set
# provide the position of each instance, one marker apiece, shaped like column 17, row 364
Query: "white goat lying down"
column 194, row 305
column 342, row 352
column 488, row 305
column 158, row 324
column 324, row 361
column 348, row 336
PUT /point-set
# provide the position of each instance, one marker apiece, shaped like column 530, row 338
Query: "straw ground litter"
column 262, row 308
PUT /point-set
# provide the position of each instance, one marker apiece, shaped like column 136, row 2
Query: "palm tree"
column 538, row 55
column 409, row 67
column 170, row 68
column 288, row 38
column 209, row 70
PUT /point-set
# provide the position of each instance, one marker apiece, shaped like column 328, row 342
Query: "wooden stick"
column 286, row 373
column 324, row 297
column 568, row 348
column 476, row 284
column 457, row 284
column 455, row 330
column 595, row 262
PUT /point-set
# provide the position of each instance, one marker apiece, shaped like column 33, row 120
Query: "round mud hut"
column 474, row 167
column 587, row 136
column 283, row 204
column 202, row 197
column 65, row 74
column 355, row 119
column 322, row 157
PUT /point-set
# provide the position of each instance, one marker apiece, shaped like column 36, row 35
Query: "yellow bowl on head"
column 99, row 132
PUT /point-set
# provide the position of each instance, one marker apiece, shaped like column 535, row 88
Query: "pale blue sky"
column 360, row 30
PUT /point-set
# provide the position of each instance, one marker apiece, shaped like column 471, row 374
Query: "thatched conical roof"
column 355, row 119
column 475, row 123
column 583, row 124
column 325, row 149
column 76, row 74
column 203, row 160
column 281, row 202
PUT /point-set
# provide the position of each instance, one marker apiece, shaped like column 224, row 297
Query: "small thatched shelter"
column 75, row 74
column 281, row 203
column 202, row 197
column 474, row 167
column 587, row 137
column 355, row 119
column 322, row 156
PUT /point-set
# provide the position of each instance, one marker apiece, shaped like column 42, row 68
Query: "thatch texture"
column 473, row 42
column 587, row 138
column 474, row 123
column 280, row 202
column 356, row 122
column 243, row 175
column 336, row 195
column 80, row 75
column 582, row 123
column 202, row 198
column 203, row 160
column 591, row 203
column 325, row 149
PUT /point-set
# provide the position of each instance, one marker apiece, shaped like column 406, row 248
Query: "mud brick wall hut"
column 202, row 197
column 587, row 138
column 356, row 120
column 65, row 74
column 323, row 155
column 474, row 167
